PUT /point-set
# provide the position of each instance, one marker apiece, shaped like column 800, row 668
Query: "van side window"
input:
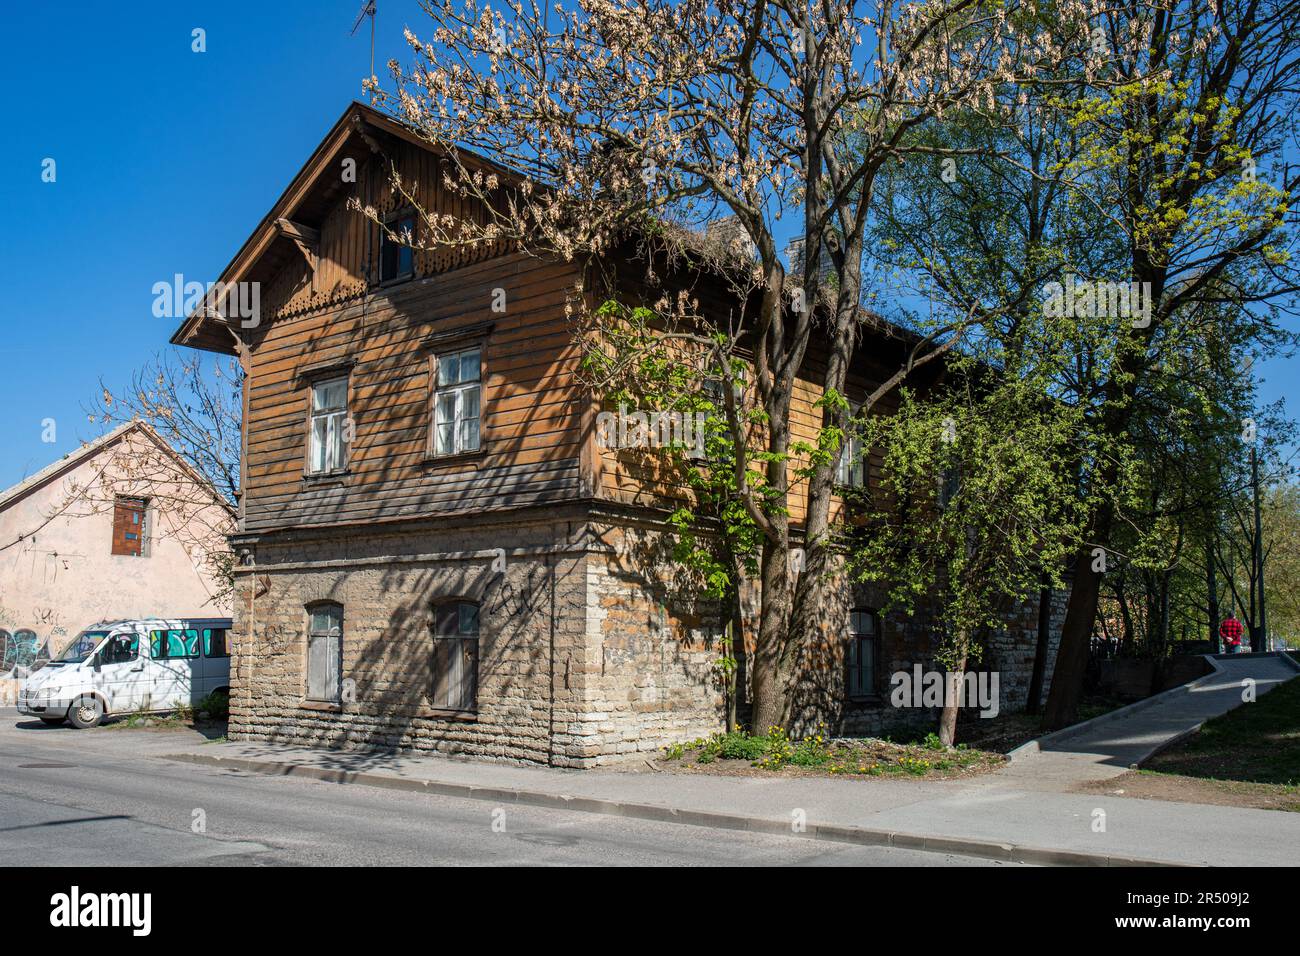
column 216, row 642
column 174, row 644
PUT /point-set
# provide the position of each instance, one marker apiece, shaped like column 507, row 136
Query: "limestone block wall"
column 594, row 648
column 654, row 679
column 531, row 626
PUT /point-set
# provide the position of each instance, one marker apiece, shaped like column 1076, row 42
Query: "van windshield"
column 82, row 647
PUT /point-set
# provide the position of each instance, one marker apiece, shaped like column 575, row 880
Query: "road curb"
column 860, row 836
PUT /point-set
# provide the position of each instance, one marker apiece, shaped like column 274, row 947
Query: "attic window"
column 397, row 259
column 129, row 526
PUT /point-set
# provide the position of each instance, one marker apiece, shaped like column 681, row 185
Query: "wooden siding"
column 321, row 305
column 346, row 257
column 639, row 477
column 531, row 410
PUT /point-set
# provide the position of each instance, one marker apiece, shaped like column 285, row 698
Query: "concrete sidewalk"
column 992, row 816
column 1111, row 744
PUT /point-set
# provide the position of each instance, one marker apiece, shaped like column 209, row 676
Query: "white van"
column 121, row 667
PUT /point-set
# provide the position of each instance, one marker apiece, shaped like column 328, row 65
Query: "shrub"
column 216, row 705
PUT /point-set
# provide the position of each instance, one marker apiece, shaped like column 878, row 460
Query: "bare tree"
column 186, row 459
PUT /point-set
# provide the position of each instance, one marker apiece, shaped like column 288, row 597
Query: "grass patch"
column 776, row 751
column 214, row 708
column 1258, row 742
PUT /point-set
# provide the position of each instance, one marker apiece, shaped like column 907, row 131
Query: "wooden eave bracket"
column 368, row 134
column 305, row 238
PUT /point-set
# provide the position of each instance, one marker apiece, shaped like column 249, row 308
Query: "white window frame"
column 335, row 429
column 459, row 389
column 851, row 469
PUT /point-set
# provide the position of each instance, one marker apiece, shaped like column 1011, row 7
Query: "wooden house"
column 437, row 552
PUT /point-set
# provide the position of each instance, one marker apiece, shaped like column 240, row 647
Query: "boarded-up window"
column 864, row 636
column 129, row 526
column 455, row 656
column 324, row 652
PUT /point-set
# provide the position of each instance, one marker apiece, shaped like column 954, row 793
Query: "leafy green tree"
column 974, row 497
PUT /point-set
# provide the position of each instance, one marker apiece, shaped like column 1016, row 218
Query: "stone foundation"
column 590, row 650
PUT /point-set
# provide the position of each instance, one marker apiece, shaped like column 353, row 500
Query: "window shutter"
column 441, row 694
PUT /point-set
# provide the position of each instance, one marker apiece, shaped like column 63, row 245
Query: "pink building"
column 121, row 528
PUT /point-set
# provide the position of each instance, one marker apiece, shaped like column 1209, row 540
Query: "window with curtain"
column 456, row 401
column 327, row 450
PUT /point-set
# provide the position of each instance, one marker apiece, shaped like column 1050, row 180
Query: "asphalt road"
column 108, row 797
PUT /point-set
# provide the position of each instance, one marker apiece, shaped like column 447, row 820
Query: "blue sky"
column 166, row 160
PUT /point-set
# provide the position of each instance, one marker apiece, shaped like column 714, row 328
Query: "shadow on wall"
column 538, row 669
column 389, row 655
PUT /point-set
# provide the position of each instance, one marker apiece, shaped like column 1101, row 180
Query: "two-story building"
column 437, row 551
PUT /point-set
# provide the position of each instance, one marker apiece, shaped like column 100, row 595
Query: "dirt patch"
column 211, row 729
column 1150, row 785
column 739, row 755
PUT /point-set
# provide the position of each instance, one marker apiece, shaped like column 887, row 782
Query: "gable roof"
column 309, row 195
column 314, row 189
column 89, row 450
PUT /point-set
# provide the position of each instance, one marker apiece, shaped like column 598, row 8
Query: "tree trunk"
column 769, row 691
column 951, row 701
column 814, row 602
column 1040, row 651
column 1072, row 653
column 1212, row 592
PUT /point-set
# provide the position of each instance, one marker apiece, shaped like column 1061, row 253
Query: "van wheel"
column 86, row 712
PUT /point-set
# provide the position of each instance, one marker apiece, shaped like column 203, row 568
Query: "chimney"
column 731, row 235
column 794, row 256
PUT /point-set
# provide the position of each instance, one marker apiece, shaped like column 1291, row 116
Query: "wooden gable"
column 313, row 251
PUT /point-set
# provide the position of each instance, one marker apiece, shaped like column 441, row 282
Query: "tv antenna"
column 367, row 10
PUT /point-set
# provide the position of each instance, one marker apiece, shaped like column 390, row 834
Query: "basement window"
column 862, row 654
column 324, row 652
column 455, row 656
column 129, row 526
